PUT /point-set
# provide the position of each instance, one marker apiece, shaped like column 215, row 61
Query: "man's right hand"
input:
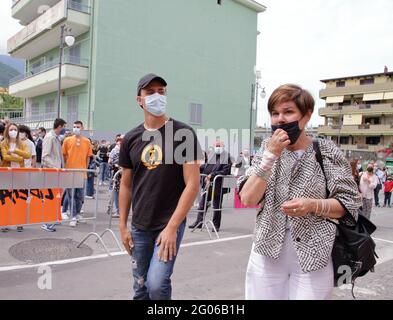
column 126, row 238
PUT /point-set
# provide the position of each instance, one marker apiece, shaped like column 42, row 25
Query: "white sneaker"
column 65, row 216
column 73, row 222
column 89, row 197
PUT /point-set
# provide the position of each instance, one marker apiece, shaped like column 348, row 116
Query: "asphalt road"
column 205, row 269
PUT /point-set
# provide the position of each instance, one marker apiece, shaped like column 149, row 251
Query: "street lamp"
column 254, row 100
column 69, row 40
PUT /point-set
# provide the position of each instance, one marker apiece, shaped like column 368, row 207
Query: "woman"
column 291, row 253
column 368, row 183
column 25, row 136
column 14, row 152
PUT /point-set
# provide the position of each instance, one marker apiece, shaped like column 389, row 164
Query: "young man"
column 52, row 155
column 161, row 179
column 77, row 151
column 38, row 145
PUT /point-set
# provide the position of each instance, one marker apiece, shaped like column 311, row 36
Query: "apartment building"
column 359, row 113
column 205, row 49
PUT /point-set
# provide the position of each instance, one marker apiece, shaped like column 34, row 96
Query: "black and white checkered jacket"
column 292, row 178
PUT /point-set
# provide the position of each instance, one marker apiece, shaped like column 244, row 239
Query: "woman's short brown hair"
column 292, row 92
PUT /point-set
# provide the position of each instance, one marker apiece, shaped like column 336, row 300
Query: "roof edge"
column 252, row 5
column 360, row 76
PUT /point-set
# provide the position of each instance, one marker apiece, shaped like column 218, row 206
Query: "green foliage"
column 9, row 102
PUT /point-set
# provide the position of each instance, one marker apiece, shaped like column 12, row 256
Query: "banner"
column 18, row 207
column 32, row 195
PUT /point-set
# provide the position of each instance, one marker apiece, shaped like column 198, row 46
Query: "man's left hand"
column 167, row 242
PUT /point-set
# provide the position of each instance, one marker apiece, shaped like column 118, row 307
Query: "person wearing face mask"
column 219, row 163
column 160, row 178
column 38, row 145
column 291, row 253
column 14, row 153
column 242, row 163
column 13, row 150
column 114, row 164
column 25, row 136
column 52, row 157
column 77, row 151
column 367, row 185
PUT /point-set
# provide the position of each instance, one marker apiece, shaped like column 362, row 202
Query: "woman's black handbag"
column 353, row 246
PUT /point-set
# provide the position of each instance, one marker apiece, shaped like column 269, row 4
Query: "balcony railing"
column 357, row 109
column 50, row 65
column 46, row 21
column 362, row 129
column 10, row 113
column 36, row 118
column 14, row 3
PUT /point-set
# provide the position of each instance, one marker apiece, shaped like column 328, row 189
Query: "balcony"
column 360, row 89
column 37, row 120
column 10, row 114
column 357, row 130
column 43, row 34
column 361, row 147
column 364, row 109
column 27, row 10
column 44, row 79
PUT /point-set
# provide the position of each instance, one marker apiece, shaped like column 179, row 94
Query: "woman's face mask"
column 292, row 129
column 13, row 133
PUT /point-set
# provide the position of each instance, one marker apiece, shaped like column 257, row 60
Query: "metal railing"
column 11, row 114
column 14, row 3
column 36, row 117
column 79, row 6
column 73, row 60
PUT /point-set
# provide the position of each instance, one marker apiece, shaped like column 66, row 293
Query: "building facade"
column 205, row 49
column 359, row 113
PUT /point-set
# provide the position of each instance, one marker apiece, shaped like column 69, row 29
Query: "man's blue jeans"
column 90, row 186
column 104, row 171
column 152, row 278
column 77, row 203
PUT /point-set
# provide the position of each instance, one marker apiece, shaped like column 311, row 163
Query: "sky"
column 304, row 41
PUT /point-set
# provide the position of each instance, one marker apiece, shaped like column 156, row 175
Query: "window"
column 367, row 81
column 373, row 140
column 373, row 120
column 49, row 107
column 344, row 140
column 219, row 2
column 35, row 109
column 72, row 110
column 340, row 84
column 195, row 113
column 75, row 54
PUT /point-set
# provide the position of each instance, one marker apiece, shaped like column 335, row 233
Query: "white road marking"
column 121, row 253
column 113, row 254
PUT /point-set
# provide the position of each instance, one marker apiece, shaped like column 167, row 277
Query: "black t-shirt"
column 156, row 159
column 103, row 154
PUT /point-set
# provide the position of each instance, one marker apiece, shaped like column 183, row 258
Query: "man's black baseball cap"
column 145, row 80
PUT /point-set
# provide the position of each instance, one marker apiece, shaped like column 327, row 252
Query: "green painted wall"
column 205, row 51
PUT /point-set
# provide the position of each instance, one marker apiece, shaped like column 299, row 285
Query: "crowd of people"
column 22, row 147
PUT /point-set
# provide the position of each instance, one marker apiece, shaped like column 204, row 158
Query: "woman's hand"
column 298, row 207
column 278, row 142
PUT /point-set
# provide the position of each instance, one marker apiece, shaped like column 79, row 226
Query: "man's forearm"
column 124, row 205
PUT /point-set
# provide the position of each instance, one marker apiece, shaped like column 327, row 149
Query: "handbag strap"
column 318, row 156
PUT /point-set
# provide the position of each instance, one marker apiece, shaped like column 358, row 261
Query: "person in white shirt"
column 368, row 182
column 25, row 136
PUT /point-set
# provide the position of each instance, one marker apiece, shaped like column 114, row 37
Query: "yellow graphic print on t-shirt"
column 151, row 156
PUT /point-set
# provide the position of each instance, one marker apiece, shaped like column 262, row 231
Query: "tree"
column 10, row 102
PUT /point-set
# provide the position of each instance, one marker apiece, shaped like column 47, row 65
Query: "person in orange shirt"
column 77, row 151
